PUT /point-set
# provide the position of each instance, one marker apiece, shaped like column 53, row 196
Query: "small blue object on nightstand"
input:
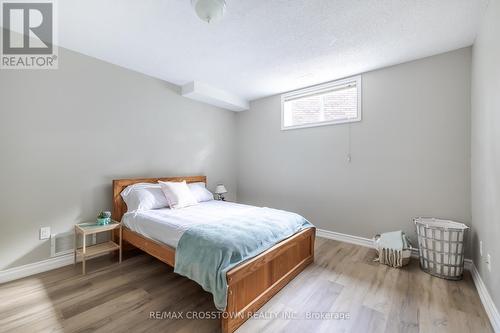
column 104, row 218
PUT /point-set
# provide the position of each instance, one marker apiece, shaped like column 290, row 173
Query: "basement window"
column 337, row 102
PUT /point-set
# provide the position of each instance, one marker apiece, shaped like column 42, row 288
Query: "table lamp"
column 220, row 190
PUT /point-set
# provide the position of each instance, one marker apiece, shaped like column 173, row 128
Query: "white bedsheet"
column 167, row 225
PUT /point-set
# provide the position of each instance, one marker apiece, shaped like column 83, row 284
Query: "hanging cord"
column 349, row 143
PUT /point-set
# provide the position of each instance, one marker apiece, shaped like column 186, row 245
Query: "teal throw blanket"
column 206, row 252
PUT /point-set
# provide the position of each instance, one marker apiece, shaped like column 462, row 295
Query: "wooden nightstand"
column 91, row 228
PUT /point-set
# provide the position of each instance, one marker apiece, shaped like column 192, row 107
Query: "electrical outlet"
column 488, row 262
column 481, row 248
column 44, row 233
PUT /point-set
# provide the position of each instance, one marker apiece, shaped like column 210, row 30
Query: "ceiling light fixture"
column 209, row 10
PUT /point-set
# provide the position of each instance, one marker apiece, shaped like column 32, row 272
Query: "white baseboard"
column 484, row 295
column 489, row 305
column 35, row 268
column 356, row 240
column 468, row 265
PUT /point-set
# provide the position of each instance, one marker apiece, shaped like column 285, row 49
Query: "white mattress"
column 167, row 225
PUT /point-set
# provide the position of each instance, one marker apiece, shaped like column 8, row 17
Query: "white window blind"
column 332, row 103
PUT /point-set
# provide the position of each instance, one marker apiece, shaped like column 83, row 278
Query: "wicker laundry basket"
column 441, row 247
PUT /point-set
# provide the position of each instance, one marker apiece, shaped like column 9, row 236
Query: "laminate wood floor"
column 343, row 291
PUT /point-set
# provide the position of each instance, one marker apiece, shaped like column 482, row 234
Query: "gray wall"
column 65, row 134
column 486, row 148
column 410, row 153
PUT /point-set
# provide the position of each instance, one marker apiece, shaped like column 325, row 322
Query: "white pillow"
column 200, row 192
column 178, row 194
column 144, row 196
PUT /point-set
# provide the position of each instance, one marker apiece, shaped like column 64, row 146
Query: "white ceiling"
column 264, row 47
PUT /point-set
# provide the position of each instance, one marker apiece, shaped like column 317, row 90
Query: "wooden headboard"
column 119, row 206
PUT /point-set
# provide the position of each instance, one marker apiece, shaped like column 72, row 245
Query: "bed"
column 250, row 284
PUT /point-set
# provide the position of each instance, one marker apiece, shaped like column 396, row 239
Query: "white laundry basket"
column 441, row 247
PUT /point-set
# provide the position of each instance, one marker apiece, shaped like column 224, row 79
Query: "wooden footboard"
column 254, row 282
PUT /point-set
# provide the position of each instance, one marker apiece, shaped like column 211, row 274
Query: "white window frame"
column 319, row 89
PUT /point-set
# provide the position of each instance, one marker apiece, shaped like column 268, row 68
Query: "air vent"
column 63, row 243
